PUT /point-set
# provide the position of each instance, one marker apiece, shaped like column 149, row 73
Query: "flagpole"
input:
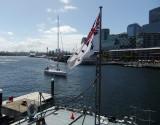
column 98, row 76
column 99, row 65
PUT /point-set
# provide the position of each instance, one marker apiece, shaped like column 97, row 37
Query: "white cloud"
column 65, row 8
column 40, row 44
column 70, row 39
column 4, row 33
column 60, row 10
column 67, row 5
column 6, row 45
column 10, row 33
column 67, row 29
column 63, row 29
column 70, row 7
column 65, row 1
column 49, row 10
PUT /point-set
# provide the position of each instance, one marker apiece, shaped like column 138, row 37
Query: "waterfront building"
column 139, row 42
column 150, row 39
column 146, row 36
column 154, row 15
column 136, row 54
column 151, row 28
column 116, row 41
column 124, row 41
column 105, row 34
column 111, row 43
column 154, row 22
column 133, row 30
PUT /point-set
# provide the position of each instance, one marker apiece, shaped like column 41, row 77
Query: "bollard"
column 1, row 92
column 52, row 90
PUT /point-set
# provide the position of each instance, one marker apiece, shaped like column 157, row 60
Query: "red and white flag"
column 78, row 56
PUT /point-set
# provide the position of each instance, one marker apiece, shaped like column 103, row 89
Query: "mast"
column 58, row 50
column 58, row 33
column 98, row 74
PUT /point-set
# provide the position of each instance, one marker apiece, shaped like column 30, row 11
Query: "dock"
column 19, row 105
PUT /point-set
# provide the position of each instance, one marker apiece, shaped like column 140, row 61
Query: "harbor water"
column 125, row 90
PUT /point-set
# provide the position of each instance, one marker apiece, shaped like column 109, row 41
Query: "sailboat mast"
column 58, row 34
column 58, row 50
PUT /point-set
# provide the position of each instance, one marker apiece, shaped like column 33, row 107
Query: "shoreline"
column 126, row 64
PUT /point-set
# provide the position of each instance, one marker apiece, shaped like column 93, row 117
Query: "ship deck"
column 62, row 116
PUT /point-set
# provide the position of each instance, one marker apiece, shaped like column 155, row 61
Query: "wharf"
column 20, row 104
column 31, row 96
column 135, row 64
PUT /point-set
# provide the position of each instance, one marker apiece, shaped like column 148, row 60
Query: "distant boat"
column 52, row 70
column 32, row 54
column 135, row 65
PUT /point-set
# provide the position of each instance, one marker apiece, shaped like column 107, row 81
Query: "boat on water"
column 49, row 70
column 56, row 72
column 32, row 54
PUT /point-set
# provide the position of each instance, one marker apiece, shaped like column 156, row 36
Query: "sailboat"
column 52, row 70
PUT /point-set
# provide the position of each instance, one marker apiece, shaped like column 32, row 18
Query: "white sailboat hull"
column 55, row 72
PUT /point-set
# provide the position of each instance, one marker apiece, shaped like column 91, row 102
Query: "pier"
column 18, row 107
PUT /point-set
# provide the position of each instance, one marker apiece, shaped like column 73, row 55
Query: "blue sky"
column 31, row 24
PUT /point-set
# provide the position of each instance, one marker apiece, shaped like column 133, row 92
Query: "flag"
column 86, row 46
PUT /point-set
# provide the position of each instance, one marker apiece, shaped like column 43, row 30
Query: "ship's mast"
column 98, row 75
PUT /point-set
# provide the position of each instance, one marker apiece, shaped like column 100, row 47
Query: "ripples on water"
column 121, row 86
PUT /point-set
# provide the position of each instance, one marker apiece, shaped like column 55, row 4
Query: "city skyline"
column 31, row 25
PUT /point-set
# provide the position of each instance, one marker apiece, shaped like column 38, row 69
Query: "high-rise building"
column 133, row 30
column 105, row 33
column 154, row 15
column 154, row 22
column 151, row 28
